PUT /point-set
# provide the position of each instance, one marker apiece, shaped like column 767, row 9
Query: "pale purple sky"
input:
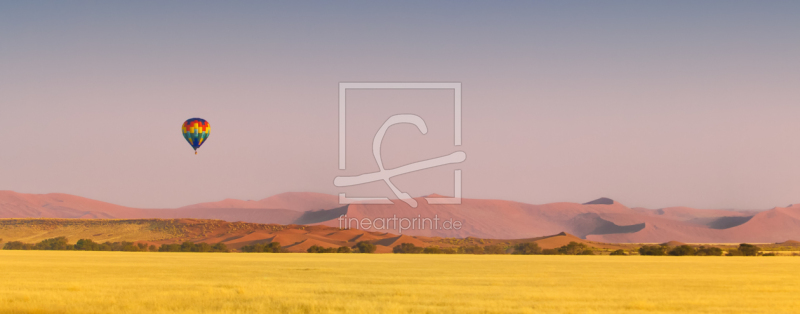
column 652, row 104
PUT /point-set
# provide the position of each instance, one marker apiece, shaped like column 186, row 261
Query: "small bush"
column 734, row 252
column 708, row 251
column 573, row 248
column 271, row 247
column 319, row 249
column 656, row 250
column 527, row 248
column 618, row 252
column 550, row 252
column 432, row 250
column 366, row 247
column 682, row 250
column 17, row 245
column 449, row 250
column 471, row 249
column 494, row 249
column 407, row 248
column 221, row 247
column 748, row 249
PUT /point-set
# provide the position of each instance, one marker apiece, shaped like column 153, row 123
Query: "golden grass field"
column 132, row 282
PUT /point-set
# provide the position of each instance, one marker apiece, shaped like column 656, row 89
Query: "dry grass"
column 119, row 282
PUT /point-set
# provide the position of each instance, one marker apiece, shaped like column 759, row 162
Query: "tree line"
column 62, row 244
column 525, row 248
column 744, row 249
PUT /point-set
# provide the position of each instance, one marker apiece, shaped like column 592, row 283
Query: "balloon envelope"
column 195, row 131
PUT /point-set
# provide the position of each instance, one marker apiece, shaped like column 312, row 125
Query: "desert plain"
column 143, row 282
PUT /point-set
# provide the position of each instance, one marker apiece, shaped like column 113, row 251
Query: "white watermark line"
column 399, row 224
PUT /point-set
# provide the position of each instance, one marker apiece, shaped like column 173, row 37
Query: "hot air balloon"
column 195, row 131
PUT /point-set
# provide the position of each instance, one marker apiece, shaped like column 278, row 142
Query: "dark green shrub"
column 470, row 249
column 449, row 250
column 169, row 248
column 221, row 247
column 187, row 246
column 682, row 250
column 87, row 245
column 618, row 252
column 550, row 252
column 343, row 249
column 573, row 248
column 17, row 245
column 656, row 250
column 366, row 247
column 527, row 248
column 748, row 249
column 318, row 249
column 432, row 250
column 587, row 252
column 407, row 248
column 734, row 252
column 59, row 243
column 494, row 249
column 708, row 251
column 271, row 247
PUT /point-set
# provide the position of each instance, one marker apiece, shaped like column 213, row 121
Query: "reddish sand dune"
column 298, row 201
column 601, row 220
column 392, row 242
column 55, row 205
column 559, row 240
column 303, row 246
column 479, row 218
column 777, row 224
column 256, row 215
column 687, row 213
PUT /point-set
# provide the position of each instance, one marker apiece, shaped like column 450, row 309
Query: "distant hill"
column 601, row 220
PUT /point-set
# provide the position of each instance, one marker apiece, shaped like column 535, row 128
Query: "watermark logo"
column 386, row 174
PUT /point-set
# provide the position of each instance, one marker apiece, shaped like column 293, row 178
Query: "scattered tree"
column 682, row 250
column 550, row 252
column 407, row 248
column 271, row 247
column 708, row 251
column 748, row 249
column 432, row 250
column 366, row 247
column 17, row 245
column 471, row 249
column 573, row 248
column 320, row 249
column 494, row 249
column 657, row 250
column 527, row 248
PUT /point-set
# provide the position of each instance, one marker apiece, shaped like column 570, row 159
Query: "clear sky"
column 652, row 104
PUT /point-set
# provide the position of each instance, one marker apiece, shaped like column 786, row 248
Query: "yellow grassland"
column 131, row 282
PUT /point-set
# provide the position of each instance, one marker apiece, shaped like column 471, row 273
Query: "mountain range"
column 601, row 220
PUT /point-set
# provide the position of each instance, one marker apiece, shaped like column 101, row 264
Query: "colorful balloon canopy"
column 195, row 131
